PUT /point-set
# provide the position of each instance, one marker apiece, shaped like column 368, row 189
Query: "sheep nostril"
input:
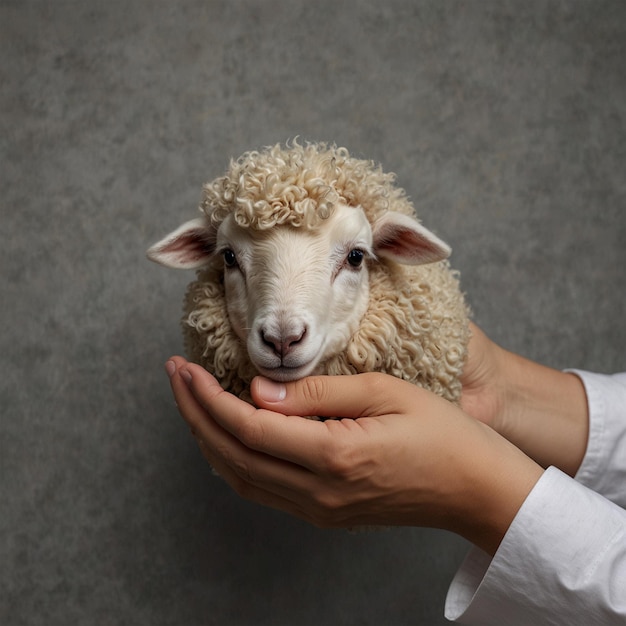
column 294, row 339
column 269, row 340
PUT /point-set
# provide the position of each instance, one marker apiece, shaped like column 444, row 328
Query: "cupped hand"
column 539, row 409
column 398, row 455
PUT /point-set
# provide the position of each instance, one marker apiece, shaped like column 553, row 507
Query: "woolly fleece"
column 416, row 325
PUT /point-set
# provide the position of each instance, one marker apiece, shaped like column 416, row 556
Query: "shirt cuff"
column 552, row 565
column 603, row 468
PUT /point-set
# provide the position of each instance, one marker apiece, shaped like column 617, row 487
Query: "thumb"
column 357, row 395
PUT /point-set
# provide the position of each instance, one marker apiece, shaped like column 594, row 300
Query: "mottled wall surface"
column 505, row 122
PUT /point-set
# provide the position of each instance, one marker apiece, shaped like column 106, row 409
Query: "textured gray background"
column 506, row 123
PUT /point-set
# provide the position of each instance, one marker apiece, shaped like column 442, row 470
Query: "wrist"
column 543, row 412
column 497, row 480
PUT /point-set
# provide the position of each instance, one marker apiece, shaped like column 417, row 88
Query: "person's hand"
column 400, row 456
column 484, row 388
column 541, row 410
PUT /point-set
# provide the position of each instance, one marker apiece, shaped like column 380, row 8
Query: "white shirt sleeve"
column 604, row 467
column 563, row 559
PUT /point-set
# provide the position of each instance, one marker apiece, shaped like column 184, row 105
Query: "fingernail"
column 271, row 391
column 185, row 375
column 170, row 368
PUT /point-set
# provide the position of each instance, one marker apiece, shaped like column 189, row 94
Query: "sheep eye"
column 230, row 260
column 355, row 257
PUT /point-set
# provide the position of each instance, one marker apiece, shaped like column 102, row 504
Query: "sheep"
column 311, row 261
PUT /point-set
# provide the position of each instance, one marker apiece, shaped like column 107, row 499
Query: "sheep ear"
column 403, row 239
column 188, row 247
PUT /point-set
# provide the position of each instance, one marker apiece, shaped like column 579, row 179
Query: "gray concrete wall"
column 505, row 122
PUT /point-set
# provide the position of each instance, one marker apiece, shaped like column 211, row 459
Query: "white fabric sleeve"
column 604, row 467
column 563, row 559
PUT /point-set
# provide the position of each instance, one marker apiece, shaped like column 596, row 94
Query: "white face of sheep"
column 295, row 297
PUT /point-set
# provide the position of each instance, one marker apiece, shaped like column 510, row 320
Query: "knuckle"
column 241, row 487
column 223, row 453
column 327, row 509
column 327, row 502
column 252, row 434
column 314, row 391
column 239, row 467
column 242, row 469
column 338, row 467
column 338, row 459
column 376, row 382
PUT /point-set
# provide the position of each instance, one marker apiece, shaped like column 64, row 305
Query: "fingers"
column 190, row 409
column 323, row 472
column 252, row 447
column 195, row 389
column 291, row 439
column 202, row 425
column 317, row 471
column 334, row 396
column 254, row 490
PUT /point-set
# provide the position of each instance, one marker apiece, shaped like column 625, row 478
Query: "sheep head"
column 295, row 296
column 289, row 239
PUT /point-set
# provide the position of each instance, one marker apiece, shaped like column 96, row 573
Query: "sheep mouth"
column 285, row 373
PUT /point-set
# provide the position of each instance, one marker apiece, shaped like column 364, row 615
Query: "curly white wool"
column 414, row 323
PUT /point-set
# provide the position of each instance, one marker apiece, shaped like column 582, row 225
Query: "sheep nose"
column 284, row 342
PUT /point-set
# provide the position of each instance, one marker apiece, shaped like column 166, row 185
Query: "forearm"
column 544, row 412
column 497, row 478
